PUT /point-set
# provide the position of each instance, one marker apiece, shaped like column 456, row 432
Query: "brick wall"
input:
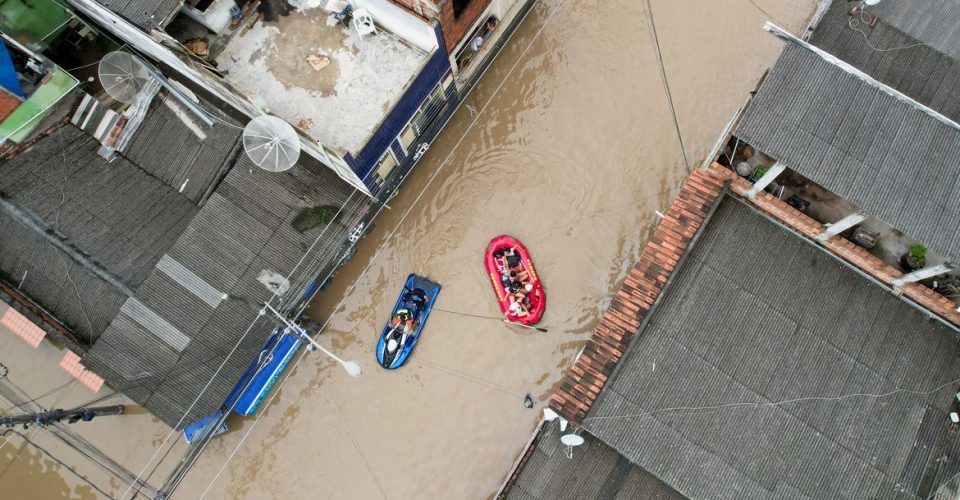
column 454, row 28
column 424, row 9
column 8, row 104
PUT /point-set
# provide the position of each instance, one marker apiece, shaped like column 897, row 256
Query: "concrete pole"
column 922, row 274
column 767, row 178
column 841, row 226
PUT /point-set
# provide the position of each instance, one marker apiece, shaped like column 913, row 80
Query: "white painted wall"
column 400, row 22
column 216, row 18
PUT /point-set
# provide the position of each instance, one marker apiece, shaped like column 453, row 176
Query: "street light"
column 353, row 368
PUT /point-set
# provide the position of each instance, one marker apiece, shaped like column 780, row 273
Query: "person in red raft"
column 516, row 281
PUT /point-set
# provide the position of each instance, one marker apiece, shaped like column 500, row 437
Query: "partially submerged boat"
column 506, row 254
column 414, row 305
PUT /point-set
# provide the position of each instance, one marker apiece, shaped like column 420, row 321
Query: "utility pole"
column 44, row 418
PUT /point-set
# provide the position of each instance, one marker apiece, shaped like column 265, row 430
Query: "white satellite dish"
column 271, row 143
column 571, row 439
column 122, row 75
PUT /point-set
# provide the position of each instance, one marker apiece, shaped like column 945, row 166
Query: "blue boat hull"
column 396, row 358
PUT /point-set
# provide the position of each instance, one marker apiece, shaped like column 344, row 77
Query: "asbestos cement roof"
column 755, row 315
column 145, row 14
column 893, row 57
column 111, row 220
column 172, row 145
column 879, row 152
column 169, row 339
column 934, row 22
column 591, row 470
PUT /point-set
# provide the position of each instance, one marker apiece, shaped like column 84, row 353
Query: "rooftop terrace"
column 342, row 102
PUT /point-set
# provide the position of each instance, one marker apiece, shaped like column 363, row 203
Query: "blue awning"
column 8, row 74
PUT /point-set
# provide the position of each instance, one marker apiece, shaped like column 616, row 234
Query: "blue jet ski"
column 406, row 321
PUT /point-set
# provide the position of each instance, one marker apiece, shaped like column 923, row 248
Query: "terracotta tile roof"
column 22, row 327
column 636, row 296
column 71, row 364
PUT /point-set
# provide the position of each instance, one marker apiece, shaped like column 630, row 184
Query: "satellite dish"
column 122, row 75
column 271, row 143
column 571, row 439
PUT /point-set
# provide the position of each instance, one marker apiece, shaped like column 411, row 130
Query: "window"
column 386, row 165
column 483, row 30
column 459, row 6
column 407, row 137
column 423, row 117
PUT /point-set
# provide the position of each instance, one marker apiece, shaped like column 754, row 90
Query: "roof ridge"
column 637, row 294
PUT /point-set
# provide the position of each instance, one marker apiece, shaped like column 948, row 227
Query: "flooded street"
column 567, row 144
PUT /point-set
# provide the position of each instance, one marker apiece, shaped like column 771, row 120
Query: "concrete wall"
column 454, row 28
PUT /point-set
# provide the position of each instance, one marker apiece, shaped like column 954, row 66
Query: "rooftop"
column 931, row 77
column 339, row 104
column 936, row 23
column 880, row 152
column 85, row 225
column 739, row 360
column 592, row 470
column 174, row 147
column 145, row 14
column 171, row 336
column 755, row 316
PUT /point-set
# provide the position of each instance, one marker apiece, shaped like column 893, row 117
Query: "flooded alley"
column 568, row 144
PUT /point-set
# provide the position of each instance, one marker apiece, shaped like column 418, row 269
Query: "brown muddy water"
column 572, row 150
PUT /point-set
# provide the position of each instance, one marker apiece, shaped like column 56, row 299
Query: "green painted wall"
column 31, row 21
column 38, row 105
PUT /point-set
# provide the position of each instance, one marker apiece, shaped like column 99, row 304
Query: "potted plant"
column 915, row 258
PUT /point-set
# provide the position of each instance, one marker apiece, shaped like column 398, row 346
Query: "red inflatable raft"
column 506, row 254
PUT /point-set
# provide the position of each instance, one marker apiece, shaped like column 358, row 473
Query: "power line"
column 666, row 84
column 769, row 404
column 389, row 237
column 51, row 391
column 55, row 459
column 193, row 453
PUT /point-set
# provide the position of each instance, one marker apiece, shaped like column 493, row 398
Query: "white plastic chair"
column 363, row 22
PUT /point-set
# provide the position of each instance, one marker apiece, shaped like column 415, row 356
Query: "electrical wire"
column 863, row 18
column 769, row 404
column 387, row 240
column 666, row 84
column 52, row 457
column 51, row 391
column 139, row 479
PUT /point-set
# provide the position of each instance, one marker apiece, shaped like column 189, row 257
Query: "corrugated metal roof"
column 169, row 148
column 934, row 22
column 145, row 14
column 242, row 230
column 893, row 57
column 880, row 153
column 755, row 316
column 592, row 470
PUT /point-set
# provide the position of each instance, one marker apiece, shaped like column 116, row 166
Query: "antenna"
column 571, row 440
column 271, row 143
column 122, row 75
